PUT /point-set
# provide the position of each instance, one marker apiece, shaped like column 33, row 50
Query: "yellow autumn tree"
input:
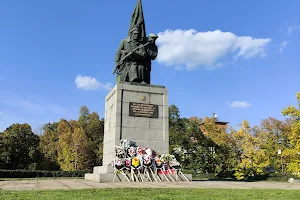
column 272, row 137
column 223, row 144
column 216, row 133
column 253, row 160
column 72, row 146
column 79, row 140
column 66, row 147
column 293, row 152
column 49, row 145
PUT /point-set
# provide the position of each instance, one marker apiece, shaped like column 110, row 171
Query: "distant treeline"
column 199, row 144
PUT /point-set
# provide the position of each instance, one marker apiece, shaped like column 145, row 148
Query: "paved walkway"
column 83, row 184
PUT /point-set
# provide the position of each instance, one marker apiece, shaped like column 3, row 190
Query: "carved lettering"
column 143, row 110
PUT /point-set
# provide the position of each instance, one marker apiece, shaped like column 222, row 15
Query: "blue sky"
column 238, row 59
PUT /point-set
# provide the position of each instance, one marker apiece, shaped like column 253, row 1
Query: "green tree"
column 201, row 148
column 179, row 142
column 191, row 147
column 4, row 154
column 93, row 128
column 20, row 147
column 49, row 146
column 219, row 140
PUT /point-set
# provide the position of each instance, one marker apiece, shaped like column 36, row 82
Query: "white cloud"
column 191, row 49
column 283, row 45
column 238, row 104
column 90, row 83
column 293, row 28
column 248, row 47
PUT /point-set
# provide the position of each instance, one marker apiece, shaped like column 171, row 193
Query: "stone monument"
column 134, row 108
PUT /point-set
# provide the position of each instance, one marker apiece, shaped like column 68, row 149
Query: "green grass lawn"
column 159, row 194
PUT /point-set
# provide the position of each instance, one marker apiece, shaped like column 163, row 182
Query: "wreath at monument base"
column 141, row 161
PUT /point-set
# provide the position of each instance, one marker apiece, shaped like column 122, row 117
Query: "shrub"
column 37, row 173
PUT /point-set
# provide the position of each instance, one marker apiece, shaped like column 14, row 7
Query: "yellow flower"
column 135, row 162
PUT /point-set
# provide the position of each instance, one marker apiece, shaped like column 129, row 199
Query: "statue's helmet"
column 135, row 29
column 153, row 35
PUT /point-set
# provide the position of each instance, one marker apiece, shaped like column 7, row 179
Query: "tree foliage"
column 201, row 145
column 73, row 145
column 293, row 151
column 49, row 147
column 19, row 148
column 93, row 127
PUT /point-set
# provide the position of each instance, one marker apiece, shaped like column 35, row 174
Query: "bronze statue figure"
column 136, row 52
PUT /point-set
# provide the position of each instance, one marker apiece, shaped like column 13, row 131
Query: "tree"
column 201, row 149
column 81, row 151
column 4, row 154
column 252, row 160
column 174, row 115
column 222, row 145
column 49, row 146
column 20, row 147
column 178, row 140
column 293, row 152
column 66, row 149
column 93, row 128
column 191, row 147
column 272, row 136
column 70, row 145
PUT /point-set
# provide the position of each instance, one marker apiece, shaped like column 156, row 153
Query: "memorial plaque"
column 143, row 110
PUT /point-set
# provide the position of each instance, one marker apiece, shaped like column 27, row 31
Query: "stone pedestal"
column 138, row 112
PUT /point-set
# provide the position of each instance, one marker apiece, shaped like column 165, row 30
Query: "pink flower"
column 132, row 151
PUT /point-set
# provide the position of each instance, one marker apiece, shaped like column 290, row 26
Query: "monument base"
column 137, row 112
column 101, row 174
column 140, row 113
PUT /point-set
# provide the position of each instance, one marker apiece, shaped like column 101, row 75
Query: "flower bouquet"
column 147, row 160
column 136, row 163
column 149, row 152
column 118, row 163
column 131, row 151
column 140, row 151
column 120, row 152
column 175, row 164
column 128, row 163
column 158, row 162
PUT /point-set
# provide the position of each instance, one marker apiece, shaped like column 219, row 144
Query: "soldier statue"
column 130, row 58
column 134, row 56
